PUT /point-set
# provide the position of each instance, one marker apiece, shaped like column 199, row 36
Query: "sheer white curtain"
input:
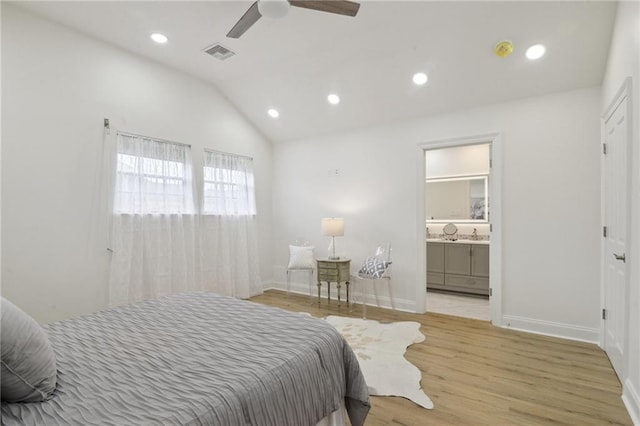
column 154, row 229
column 161, row 242
column 228, row 237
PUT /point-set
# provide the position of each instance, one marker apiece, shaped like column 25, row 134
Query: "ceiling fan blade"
column 248, row 19
column 341, row 7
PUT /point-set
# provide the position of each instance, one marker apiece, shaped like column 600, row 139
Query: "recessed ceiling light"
column 536, row 51
column 333, row 99
column 420, row 78
column 159, row 38
column 273, row 113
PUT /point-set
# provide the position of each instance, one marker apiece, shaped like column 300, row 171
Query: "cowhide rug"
column 380, row 350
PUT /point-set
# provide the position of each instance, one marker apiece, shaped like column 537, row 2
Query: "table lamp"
column 333, row 227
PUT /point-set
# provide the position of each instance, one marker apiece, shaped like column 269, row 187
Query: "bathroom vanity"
column 460, row 266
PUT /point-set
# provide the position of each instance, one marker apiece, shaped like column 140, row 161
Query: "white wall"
column 624, row 61
column 457, row 161
column 550, row 201
column 58, row 85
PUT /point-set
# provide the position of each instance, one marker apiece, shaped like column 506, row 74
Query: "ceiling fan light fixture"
column 273, row 8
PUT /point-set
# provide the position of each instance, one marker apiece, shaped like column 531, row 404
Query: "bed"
column 197, row 359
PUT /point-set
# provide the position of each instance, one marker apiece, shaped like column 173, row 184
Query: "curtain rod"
column 133, row 135
column 228, row 153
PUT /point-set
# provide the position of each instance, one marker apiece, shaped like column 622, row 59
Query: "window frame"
column 245, row 179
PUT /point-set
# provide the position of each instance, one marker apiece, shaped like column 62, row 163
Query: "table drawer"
column 327, row 273
column 334, row 271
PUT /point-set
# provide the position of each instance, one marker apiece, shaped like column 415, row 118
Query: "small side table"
column 337, row 271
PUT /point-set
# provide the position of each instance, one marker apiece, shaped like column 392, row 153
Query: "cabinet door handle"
column 620, row 257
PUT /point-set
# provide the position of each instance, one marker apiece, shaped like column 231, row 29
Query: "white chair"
column 301, row 260
column 376, row 268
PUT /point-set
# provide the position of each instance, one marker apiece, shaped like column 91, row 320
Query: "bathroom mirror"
column 457, row 199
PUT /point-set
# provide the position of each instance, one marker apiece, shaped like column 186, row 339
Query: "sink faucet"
column 474, row 235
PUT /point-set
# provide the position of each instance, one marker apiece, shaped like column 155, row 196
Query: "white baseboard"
column 631, row 399
column 385, row 302
column 547, row 328
column 554, row 329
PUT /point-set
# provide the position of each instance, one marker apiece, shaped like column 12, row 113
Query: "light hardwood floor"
column 477, row 374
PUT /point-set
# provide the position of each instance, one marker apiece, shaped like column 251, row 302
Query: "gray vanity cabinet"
column 435, row 264
column 458, row 267
column 457, row 259
column 480, row 260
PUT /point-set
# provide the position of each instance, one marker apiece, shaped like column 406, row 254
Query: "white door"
column 615, row 219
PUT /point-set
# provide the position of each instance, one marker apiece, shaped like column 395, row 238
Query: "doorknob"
column 620, row 257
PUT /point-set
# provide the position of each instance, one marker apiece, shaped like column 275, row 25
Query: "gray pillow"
column 28, row 361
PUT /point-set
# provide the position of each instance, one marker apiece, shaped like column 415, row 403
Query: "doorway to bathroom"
column 460, row 233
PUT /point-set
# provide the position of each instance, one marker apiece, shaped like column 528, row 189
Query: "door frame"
column 624, row 92
column 495, row 215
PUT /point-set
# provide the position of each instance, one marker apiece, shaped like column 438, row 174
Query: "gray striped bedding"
column 197, row 359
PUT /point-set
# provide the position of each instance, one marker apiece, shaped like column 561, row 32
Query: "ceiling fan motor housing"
column 273, row 8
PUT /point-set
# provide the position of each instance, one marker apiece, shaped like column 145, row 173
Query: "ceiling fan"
column 279, row 8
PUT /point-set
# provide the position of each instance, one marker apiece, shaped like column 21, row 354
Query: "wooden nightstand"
column 336, row 271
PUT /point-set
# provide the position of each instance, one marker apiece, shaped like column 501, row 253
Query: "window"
column 152, row 177
column 228, row 185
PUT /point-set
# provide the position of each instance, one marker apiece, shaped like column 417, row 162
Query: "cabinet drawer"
column 333, row 271
column 327, row 273
column 466, row 282
column 435, row 278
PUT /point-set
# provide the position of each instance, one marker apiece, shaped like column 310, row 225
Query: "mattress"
column 197, row 359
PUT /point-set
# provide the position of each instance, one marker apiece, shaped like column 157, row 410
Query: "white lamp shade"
column 273, row 8
column 333, row 226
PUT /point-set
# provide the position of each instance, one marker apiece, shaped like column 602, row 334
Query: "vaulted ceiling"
column 293, row 63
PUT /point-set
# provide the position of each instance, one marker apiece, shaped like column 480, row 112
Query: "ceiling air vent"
column 218, row 51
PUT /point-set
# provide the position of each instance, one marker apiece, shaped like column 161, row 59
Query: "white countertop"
column 438, row 240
